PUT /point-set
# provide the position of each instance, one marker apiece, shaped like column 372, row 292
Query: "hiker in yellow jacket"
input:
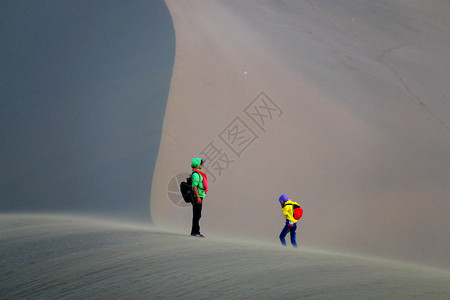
column 292, row 212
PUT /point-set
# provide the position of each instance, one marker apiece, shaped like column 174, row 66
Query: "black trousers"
column 196, row 215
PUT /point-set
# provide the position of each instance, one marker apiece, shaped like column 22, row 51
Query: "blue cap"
column 283, row 198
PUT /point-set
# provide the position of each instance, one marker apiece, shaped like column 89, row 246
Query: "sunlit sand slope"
column 343, row 105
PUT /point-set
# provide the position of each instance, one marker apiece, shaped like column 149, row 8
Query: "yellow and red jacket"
column 288, row 210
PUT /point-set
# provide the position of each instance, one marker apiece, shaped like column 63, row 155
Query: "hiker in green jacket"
column 200, row 187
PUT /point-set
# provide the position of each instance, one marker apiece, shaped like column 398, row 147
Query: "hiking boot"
column 198, row 235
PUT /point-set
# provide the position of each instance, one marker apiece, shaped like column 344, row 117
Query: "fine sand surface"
column 84, row 86
column 68, row 257
column 342, row 105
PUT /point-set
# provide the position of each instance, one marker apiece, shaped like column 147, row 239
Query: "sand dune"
column 84, row 90
column 343, row 105
column 69, row 257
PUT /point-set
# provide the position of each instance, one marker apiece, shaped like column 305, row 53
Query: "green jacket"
column 197, row 179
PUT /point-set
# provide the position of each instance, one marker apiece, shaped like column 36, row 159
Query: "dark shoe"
column 198, row 235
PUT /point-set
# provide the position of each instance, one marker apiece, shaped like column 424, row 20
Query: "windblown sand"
column 68, row 257
column 342, row 105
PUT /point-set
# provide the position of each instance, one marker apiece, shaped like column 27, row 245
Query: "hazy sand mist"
column 58, row 257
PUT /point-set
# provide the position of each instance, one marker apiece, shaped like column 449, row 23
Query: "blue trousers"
column 289, row 228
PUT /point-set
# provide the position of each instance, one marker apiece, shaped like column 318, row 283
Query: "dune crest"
column 56, row 256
